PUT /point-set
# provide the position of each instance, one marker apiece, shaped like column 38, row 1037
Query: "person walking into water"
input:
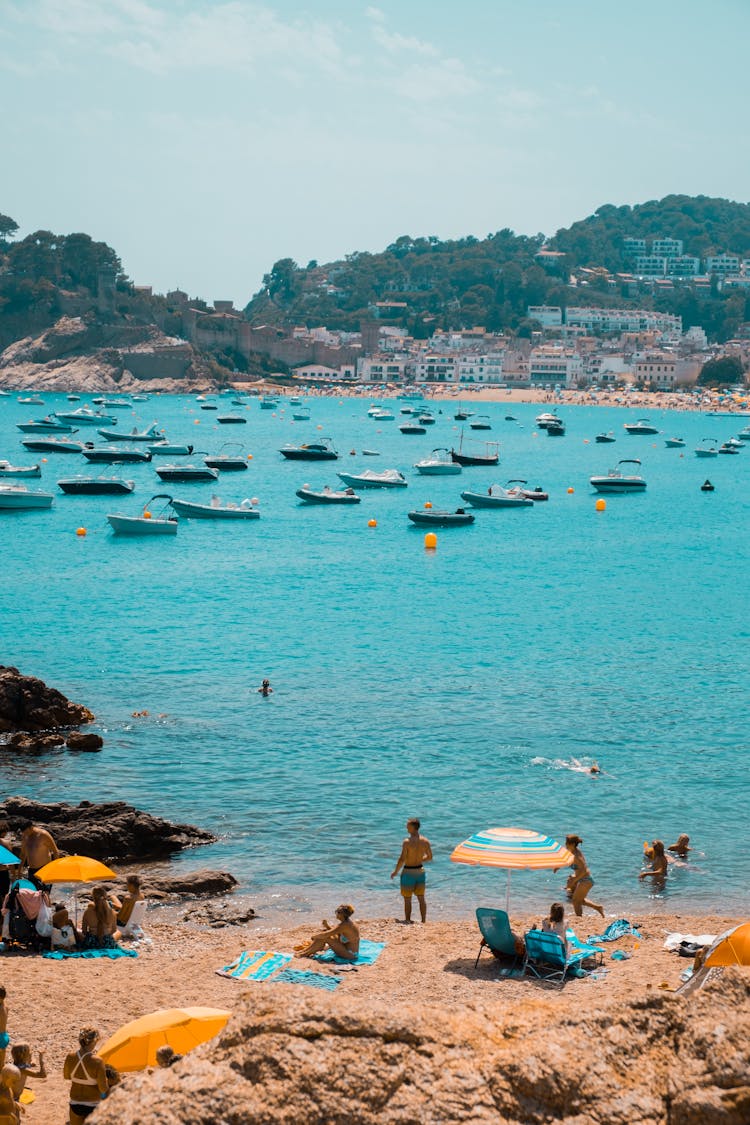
column 415, row 852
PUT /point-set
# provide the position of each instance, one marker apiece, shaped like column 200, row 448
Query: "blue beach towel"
column 616, row 930
column 110, row 954
column 255, row 964
column 369, row 951
column 306, row 976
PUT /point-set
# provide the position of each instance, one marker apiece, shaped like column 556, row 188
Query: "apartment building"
column 622, row 320
column 382, row 368
column 433, row 367
column 723, row 264
column 667, row 247
column 485, row 367
column 549, row 316
column 554, row 365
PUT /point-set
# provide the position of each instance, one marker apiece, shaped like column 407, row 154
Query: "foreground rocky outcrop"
column 29, row 705
column 113, row 830
column 290, row 1055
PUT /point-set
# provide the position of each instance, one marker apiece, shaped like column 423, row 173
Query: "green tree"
column 8, row 229
column 724, row 372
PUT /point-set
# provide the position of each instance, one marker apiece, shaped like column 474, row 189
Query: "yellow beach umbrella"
column 134, row 1046
column 74, row 869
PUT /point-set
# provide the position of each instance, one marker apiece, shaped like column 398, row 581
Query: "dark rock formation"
column 78, row 740
column 23, row 743
column 292, row 1055
column 108, row 831
column 27, row 704
column 193, row 884
column 217, row 915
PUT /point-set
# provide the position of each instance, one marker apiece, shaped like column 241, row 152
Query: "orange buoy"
column 571, row 491
column 372, row 523
column 601, row 505
column 80, row 532
column 428, row 503
column 430, row 541
column 147, row 515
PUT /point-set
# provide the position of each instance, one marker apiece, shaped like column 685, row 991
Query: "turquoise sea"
column 457, row 685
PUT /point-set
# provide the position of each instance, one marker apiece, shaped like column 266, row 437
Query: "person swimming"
column 681, row 848
column 265, row 689
column 658, row 869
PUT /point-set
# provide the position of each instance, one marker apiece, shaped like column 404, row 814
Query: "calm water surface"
column 459, row 685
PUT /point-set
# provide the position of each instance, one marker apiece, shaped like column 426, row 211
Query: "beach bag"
column 64, row 938
column 44, row 920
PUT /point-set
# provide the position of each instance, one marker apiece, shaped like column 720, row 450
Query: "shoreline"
column 434, row 962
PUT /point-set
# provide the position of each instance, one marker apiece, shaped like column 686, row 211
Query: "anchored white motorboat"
column 246, row 510
column 616, row 480
column 16, row 497
column 439, row 463
column 146, row 523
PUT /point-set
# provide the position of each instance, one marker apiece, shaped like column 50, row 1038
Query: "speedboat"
column 186, row 472
column 170, row 449
column 642, row 426
column 246, row 510
column 744, row 435
column 618, row 481
column 462, row 415
column 8, row 470
column 111, row 454
column 707, row 448
column 268, row 402
column 440, row 463
column 481, row 422
column 328, row 496
column 32, row 400
column 427, row 419
column 381, row 415
column 310, row 451
column 490, row 456
column 412, row 428
column 17, row 497
column 231, row 420
column 497, row 497
column 52, row 445
column 603, row 439
column 73, row 398
column 145, row 523
column 151, row 433
column 209, row 406
column 85, row 417
column 407, row 410
column 49, row 425
column 674, row 443
column 437, row 517
column 537, row 494
column 95, row 486
column 543, row 420
column 301, row 415
column 556, row 428
column 117, row 404
column 729, row 447
column 389, row 478
column 227, row 462
column 139, row 398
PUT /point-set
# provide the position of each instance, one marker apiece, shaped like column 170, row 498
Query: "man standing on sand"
column 37, row 848
column 415, row 851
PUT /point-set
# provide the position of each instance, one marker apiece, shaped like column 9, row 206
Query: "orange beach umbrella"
column 134, row 1046
column 731, row 948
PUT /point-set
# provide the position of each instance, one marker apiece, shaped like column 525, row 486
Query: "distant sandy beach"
column 49, row 1001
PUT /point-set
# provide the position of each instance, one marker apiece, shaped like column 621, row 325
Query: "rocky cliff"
column 88, row 354
column 293, row 1056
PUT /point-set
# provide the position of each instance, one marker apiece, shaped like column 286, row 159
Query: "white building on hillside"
column 554, row 365
column 382, row 368
column 623, row 320
column 549, row 316
column 434, row 367
column 486, row 367
column 724, row 264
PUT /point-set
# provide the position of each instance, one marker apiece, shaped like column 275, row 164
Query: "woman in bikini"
column 99, row 923
column 129, row 899
column 658, row 869
column 342, row 938
column 580, row 882
column 87, row 1075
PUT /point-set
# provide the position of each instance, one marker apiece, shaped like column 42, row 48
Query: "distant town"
column 577, row 346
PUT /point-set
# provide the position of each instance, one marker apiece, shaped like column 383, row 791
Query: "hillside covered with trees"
column 424, row 283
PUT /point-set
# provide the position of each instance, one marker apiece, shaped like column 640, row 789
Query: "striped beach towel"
column 255, row 964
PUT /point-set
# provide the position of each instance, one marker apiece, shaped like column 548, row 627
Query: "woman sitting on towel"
column 342, row 938
column 99, row 923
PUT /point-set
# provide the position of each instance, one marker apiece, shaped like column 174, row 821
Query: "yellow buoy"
column 428, row 504
column 601, row 505
column 430, row 541
column 147, row 515
column 81, row 531
column 571, row 491
column 372, row 523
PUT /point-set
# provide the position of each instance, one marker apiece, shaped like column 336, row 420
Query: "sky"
column 206, row 139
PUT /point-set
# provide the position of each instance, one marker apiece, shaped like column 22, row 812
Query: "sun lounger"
column 494, row 926
column 546, row 958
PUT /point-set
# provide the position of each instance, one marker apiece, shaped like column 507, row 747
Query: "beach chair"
column 546, row 958
column 494, row 926
column 133, row 926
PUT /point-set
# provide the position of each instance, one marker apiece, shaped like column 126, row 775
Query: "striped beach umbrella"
column 512, row 849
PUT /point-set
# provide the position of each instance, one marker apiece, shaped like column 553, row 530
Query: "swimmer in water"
column 681, row 848
column 595, row 768
column 265, row 689
column 658, row 869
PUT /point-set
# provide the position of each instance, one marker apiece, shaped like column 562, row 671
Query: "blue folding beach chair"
column 546, row 958
column 494, row 926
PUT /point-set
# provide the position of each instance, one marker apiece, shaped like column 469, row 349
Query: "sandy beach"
column 49, row 1001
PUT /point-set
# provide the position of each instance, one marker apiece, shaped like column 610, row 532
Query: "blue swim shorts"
column 413, row 881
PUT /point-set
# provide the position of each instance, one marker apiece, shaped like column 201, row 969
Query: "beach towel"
column 369, row 951
column 306, row 976
column 615, row 930
column 672, row 942
column 110, row 954
column 255, row 964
